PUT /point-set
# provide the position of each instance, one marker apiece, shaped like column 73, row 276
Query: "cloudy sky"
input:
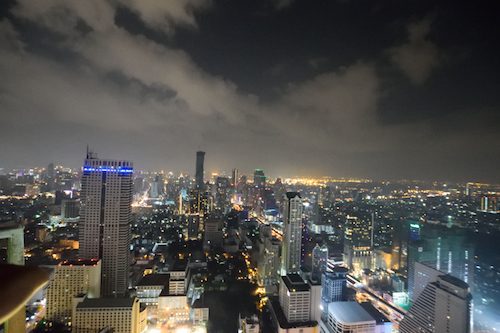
column 382, row 89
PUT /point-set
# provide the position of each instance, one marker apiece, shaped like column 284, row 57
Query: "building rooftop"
column 80, row 262
column 349, row 312
column 95, row 303
column 154, row 280
column 455, row 281
column 295, row 282
column 291, row 195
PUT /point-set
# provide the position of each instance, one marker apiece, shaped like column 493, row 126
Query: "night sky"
column 380, row 89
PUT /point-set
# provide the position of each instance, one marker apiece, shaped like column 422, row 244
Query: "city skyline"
column 333, row 88
column 250, row 166
column 168, row 249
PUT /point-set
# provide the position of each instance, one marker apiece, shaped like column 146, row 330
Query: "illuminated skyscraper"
column 292, row 234
column 106, row 199
column 358, row 243
column 200, row 160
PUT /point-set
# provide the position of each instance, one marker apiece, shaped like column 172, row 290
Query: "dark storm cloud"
column 154, row 81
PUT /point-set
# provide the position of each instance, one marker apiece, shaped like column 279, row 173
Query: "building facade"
column 292, row 234
column 119, row 315
column 443, row 306
column 105, row 219
column 295, row 298
column 69, row 279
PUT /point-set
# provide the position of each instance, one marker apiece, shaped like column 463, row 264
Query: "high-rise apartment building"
column 292, row 234
column 69, row 279
column 105, row 218
column 200, row 160
column 443, row 306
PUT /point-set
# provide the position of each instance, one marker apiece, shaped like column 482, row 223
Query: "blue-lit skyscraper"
column 105, row 218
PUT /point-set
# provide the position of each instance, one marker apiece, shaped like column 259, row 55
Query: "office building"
column 319, row 262
column 334, row 284
column 105, row 217
column 69, row 279
column 259, row 179
column 213, row 233
column 295, row 298
column 315, row 304
column 222, row 192
column 70, row 209
column 119, row 315
column 423, row 275
column 291, row 312
column 292, row 234
column 270, row 265
column 358, row 243
column 200, row 160
column 157, row 187
column 443, row 306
